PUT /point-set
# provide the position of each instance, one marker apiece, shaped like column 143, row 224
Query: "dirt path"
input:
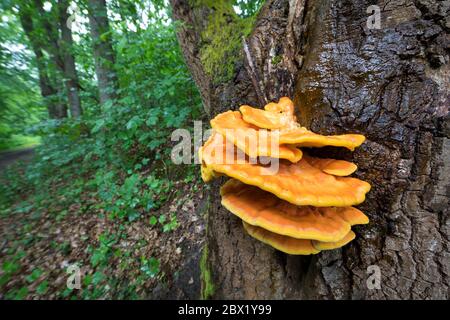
column 9, row 157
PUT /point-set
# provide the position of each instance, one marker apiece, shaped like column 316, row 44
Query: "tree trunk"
column 103, row 50
column 58, row 42
column 49, row 91
column 48, row 38
column 390, row 84
column 70, row 71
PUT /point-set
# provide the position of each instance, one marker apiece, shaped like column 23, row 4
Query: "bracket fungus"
column 255, row 142
column 303, row 204
column 261, row 208
column 235, row 127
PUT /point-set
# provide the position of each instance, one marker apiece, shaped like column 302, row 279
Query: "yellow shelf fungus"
column 234, row 126
column 274, row 116
column 263, row 209
column 332, row 166
column 299, row 183
column 296, row 203
column 283, row 243
column 294, row 246
column 250, row 139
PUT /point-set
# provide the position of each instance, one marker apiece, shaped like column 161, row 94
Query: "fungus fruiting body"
column 250, row 139
column 283, row 243
column 274, row 115
column 299, row 183
column 333, row 166
column 261, row 208
column 303, row 204
column 235, row 128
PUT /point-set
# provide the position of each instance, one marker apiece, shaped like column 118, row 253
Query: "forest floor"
column 117, row 259
column 9, row 157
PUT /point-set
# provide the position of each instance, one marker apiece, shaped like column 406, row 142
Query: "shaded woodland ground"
column 103, row 84
column 8, row 158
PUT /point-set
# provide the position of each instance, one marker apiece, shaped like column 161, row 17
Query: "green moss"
column 222, row 39
column 207, row 289
column 276, row 60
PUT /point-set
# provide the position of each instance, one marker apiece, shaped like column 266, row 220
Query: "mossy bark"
column 389, row 84
column 207, row 288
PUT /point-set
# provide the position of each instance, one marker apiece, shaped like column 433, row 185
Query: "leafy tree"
column 114, row 159
column 20, row 102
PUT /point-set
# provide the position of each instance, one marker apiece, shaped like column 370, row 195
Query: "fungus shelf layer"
column 299, row 183
column 232, row 125
column 250, row 139
column 274, row 116
column 295, row 246
column 332, row 166
column 283, row 243
column 260, row 208
column 289, row 200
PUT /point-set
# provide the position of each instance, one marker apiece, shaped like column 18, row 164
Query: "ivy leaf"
column 21, row 293
column 42, row 287
column 34, row 275
column 162, row 219
column 98, row 277
column 152, row 120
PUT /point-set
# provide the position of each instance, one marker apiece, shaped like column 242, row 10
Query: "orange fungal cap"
column 252, row 140
column 298, row 183
column 283, row 243
column 261, row 208
column 321, row 245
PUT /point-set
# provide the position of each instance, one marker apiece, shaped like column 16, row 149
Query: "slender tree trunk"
column 103, row 50
column 59, row 43
column 49, row 42
column 56, row 108
column 390, row 84
column 70, row 71
column 50, row 33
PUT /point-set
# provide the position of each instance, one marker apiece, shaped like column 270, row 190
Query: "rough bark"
column 103, row 51
column 389, row 84
column 70, row 71
column 49, row 91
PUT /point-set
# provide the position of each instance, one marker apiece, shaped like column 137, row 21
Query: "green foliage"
column 156, row 94
column 34, row 275
column 276, row 60
column 150, row 267
column 11, row 267
column 20, row 103
column 17, row 294
column 17, row 141
column 114, row 161
column 42, row 287
column 171, row 225
column 103, row 252
column 153, row 221
column 247, row 8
